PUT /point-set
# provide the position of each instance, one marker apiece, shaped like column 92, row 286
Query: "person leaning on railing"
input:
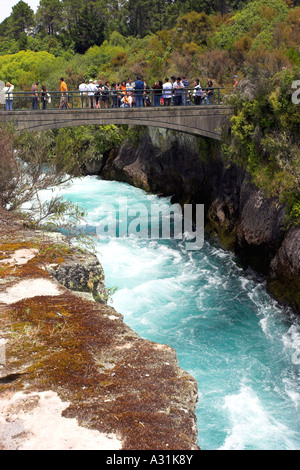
column 9, row 98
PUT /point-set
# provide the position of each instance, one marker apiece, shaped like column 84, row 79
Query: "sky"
column 6, row 7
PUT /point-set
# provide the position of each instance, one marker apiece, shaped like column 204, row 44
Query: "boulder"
column 82, row 273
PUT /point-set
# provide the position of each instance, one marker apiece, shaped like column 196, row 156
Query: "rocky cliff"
column 192, row 170
column 73, row 375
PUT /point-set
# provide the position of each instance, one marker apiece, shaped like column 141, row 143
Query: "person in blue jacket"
column 138, row 92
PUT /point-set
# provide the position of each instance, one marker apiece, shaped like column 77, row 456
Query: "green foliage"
column 70, row 219
column 113, row 41
column 259, row 17
column 26, row 67
column 265, row 140
column 79, row 145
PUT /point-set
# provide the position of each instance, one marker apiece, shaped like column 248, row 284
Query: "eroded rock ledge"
column 75, row 376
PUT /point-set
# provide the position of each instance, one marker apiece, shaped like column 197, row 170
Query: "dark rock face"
column 259, row 230
column 284, row 275
column 162, row 163
column 192, row 170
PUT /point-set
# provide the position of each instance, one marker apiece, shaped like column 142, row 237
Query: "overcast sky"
column 6, row 7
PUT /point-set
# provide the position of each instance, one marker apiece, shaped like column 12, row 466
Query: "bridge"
column 203, row 120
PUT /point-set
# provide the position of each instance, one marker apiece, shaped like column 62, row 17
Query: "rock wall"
column 191, row 169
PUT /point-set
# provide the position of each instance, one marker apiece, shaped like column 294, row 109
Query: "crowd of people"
column 96, row 94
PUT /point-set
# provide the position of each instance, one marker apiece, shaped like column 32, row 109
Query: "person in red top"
column 64, row 95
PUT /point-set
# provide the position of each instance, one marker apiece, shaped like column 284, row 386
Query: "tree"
column 194, row 27
column 23, row 159
column 49, row 16
column 88, row 31
column 21, row 19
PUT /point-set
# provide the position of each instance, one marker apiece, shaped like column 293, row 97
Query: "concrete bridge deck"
column 205, row 121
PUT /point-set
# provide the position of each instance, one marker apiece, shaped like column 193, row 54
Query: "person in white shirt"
column 92, row 89
column 167, row 92
column 83, row 88
column 9, row 99
column 129, row 86
column 178, row 91
column 198, row 93
column 126, row 101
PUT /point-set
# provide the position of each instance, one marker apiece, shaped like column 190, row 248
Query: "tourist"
column 188, row 99
column 83, row 88
column 209, row 92
column 173, row 79
column 105, row 94
column 167, row 92
column 98, row 94
column 114, row 95
column 129, row 86
column 126, row 101
column 186, row 86
column 44, row 97
column 157, row 93
column 146, row 95
column 92, row 89
column 64, row 104
column 35, row 96
column 138, row 92
column 198, row 93
column 120, row 95
column 9, row 98
column 178, row 91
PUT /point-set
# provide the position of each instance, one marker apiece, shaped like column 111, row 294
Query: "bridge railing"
column 52, row 100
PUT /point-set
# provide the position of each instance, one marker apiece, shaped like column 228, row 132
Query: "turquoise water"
column 239, row 344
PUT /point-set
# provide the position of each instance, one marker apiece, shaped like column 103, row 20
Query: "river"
column 241, row 346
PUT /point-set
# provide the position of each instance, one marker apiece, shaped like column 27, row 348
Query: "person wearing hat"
column 92, row 89
column 235, row 80
column 8, row 90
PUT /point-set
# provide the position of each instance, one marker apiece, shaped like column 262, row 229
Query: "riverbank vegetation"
column 256, row 40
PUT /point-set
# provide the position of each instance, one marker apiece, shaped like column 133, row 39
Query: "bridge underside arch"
column 204, row 121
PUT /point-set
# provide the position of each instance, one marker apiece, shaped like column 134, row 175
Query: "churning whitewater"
column 239, row 344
